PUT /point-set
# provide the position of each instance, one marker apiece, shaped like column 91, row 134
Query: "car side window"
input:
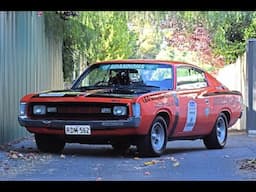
column 190, row 78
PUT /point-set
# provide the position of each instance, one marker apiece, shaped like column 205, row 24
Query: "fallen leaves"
column 17, row 161
column 176, row 164
column 162, row 163
column 248, row 164
column 14, row 155
column 149, row 163
column 152, row 162
column 99, row 179
column 17, row 155
column 147, row 173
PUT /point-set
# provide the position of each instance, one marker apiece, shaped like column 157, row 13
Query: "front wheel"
column 154, row 143
column 49, row 143
column 218, row 137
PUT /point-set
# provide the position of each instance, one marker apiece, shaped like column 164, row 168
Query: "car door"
column 193, row 108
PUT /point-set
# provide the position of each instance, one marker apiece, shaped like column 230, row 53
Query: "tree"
column 229, row 36
column 186, row 38
column 96, row 36
column 250, row 32
column 225, row 34
column 210, row 38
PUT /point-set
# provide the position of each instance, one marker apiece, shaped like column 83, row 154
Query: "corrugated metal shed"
column 30, row 61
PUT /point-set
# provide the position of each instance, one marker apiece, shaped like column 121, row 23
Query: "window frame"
column 189, row 82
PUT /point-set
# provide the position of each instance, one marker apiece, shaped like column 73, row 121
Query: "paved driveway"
column 182, row 161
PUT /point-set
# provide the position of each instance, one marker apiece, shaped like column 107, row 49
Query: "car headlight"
column 119, row 110
column 39, row 109
column 23, row 107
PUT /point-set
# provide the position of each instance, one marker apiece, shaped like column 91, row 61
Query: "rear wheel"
column 218, row 137
column 49, row 143
column 154, row 143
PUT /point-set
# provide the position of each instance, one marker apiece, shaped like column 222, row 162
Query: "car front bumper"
column 132, row 122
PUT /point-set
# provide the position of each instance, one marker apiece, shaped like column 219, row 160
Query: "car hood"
column 110, row 92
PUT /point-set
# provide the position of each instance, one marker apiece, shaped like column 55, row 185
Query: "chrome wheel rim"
column 221, row 130
column 157, row 136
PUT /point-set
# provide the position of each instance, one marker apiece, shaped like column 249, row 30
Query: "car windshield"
column 126, row 75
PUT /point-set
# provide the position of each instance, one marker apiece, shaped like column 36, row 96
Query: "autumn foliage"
column 196, row 41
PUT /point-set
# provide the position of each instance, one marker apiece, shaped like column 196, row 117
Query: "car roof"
column 145, row 61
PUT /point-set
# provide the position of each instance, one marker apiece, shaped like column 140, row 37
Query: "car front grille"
column 78, row 111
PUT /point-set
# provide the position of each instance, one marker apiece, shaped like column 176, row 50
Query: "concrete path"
column 182, row 161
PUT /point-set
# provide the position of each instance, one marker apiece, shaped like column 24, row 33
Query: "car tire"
column 218, row 137
column 154, row 143
column 49, row 143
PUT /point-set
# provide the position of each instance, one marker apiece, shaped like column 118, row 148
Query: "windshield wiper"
column 134, row 88
column 90, row 87
column 153, row 86
column 121, row 88
column 127, row 90
column 144, row 86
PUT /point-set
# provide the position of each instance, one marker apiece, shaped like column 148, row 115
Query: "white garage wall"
column 30, row 61
column 234, row 77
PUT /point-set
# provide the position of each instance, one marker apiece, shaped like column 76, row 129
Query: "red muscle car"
column 145, row 103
